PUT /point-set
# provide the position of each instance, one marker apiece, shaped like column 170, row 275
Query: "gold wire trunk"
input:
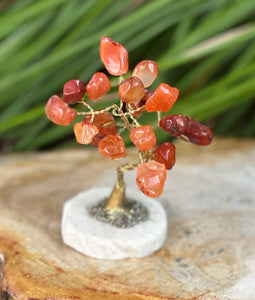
column 117, row 200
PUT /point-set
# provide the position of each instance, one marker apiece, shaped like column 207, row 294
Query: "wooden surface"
column 209, row 252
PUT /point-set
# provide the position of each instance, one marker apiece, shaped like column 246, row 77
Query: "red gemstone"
column 163, row 98
column 131, row 90
column 98, row 86
column 143, row 137
column 105, row 123
column 97, row 138
column 174, row 124
column 85, row 132
column 150, row 178
column 136, row 105
column 59, row 112
column 114, row 56
column 147, row 71
column 147, row 95
column 198, row 133
column 165, row 154
column 112, row 146
column 73, row 91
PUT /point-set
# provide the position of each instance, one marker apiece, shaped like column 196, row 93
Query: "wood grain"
column 209, row 252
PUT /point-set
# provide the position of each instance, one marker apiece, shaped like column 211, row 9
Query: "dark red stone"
column 165, row 154
column 174, row 124
column 73, row 91
column 198, row 133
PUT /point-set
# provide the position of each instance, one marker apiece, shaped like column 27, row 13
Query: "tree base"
column 98, row 239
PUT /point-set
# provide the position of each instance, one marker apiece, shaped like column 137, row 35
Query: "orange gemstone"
column 73, row 91
column 85, row 132
column 131, row 90
column 147, row 71
column 114, row 56
column 150, row 178
column 98, row 86
column 165, row 154
column 59, row 112
column 163, row 98
column 143, row 137
column 112, row 146
column 105, row 123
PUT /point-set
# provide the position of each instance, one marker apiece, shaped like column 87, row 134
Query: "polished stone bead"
column 73, row 91
column 131, row 90
column 165, row 154
column 59, row 112
column 112, row 146
column 98, row 86
column 105, row 123
column 114, row 56
column 150, row 178
column 147, row 71
column 143, row 137
column 85, row 132
column 198, row 133
column 163, row 98
column 174, row 124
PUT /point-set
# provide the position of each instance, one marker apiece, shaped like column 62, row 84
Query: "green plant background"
column 205, row 48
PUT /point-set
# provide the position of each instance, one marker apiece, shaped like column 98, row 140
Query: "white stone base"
column 100, row 240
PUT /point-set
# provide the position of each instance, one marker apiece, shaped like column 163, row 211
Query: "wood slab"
column 209, row 252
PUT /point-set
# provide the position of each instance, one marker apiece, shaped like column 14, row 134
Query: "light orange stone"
column 150, row 178
column 112, row 146
column 85, row 132
column 147, row 71
column 114, row 56
column 163, row 98
column 131, row 90
column 98, row 86
column 143, row 137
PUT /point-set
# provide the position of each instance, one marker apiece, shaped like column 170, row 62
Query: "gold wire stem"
column 159, row 116
column 117, row 200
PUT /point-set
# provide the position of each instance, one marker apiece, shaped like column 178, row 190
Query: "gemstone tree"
column 100, row 127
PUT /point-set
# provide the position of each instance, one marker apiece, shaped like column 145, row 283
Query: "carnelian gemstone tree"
column 103, row 128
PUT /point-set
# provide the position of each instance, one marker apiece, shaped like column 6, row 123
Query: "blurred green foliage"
column 204, row 48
